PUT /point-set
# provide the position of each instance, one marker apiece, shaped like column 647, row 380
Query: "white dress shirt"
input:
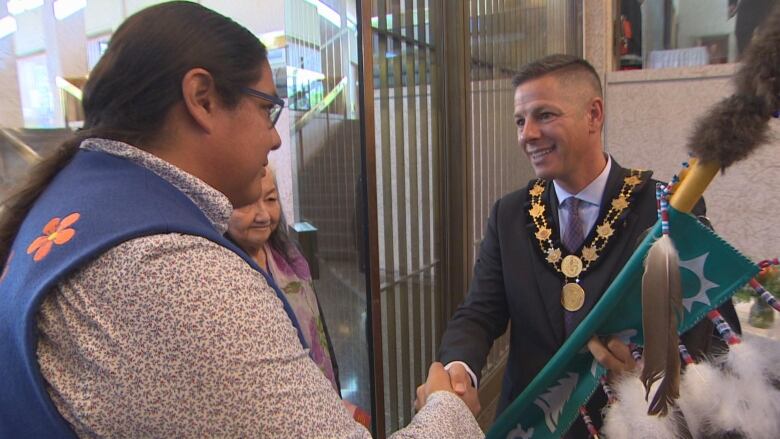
column 590, row 198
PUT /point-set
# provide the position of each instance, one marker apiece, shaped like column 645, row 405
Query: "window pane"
column 683, row 33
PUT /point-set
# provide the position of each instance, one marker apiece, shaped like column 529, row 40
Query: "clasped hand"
column 612, row 353
column 456, row 380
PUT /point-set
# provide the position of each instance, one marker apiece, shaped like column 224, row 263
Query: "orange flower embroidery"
column 55, row 231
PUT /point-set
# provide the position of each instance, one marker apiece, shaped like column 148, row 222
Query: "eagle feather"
column 661, row 312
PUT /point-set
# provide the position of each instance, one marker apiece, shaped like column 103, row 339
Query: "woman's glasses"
column 276, row 109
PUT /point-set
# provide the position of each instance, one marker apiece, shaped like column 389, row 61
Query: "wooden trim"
column 367, row 134
column 457, row 153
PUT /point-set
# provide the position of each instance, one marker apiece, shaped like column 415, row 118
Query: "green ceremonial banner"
column 711, row 270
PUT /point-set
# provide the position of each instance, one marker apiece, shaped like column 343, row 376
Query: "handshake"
column 455, row 380
column 612, row 353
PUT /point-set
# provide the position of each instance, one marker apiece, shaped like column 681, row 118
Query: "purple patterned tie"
column 572, row 239
column 573, row 235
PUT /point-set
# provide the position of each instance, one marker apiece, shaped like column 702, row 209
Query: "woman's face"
column 251, row 225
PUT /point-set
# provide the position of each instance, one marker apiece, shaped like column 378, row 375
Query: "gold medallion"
column 572, row 297
column 589, row 254
column 571, row 266
column 543, row 234
column 632, row 180
column 537, row 190
column 620, row 203
column 537, row 210
column 554, row 255
column 605, row 231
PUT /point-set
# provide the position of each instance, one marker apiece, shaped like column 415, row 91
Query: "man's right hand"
column 464, row 388
column 614, row 355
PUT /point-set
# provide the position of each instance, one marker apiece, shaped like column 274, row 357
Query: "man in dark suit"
column 552, row 248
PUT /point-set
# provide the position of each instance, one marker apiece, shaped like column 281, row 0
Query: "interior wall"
column 649, row 117
column 649, row 114
column 11, row 110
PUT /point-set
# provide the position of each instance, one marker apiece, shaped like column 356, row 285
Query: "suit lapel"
column 611, row 190
column 601, row 274
column 551, row 199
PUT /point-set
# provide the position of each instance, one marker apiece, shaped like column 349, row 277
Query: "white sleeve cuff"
column 468, row 370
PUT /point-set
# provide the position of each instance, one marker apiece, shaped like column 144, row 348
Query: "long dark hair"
column 138, row 80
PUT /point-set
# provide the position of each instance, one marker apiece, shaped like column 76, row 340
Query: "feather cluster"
column 737, row 125
column 627, row 417
column 769, row 360
column 733, row 393
column 702, row 393
column 736, row 394
column 661, row 311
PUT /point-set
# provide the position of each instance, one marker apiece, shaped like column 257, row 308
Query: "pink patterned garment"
column 294, row 279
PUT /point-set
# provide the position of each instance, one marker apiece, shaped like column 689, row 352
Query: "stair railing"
column 24, row 150
column 70, row 98
column 320, row 107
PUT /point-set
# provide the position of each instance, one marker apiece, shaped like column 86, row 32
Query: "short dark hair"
column 558, row 64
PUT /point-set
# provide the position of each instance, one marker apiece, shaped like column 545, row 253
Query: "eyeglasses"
column 278, row 104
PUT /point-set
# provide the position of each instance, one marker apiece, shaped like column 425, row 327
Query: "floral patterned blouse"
column 173, row 335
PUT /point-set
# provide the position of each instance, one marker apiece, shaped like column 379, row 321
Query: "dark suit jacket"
column 513, row 282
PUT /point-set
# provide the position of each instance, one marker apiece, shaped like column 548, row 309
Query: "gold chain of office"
column 571, row 266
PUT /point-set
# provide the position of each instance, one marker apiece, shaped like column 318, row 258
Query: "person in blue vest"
column 124, row 312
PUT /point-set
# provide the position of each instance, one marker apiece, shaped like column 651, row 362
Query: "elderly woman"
column 124, row 312
column 260, row 230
